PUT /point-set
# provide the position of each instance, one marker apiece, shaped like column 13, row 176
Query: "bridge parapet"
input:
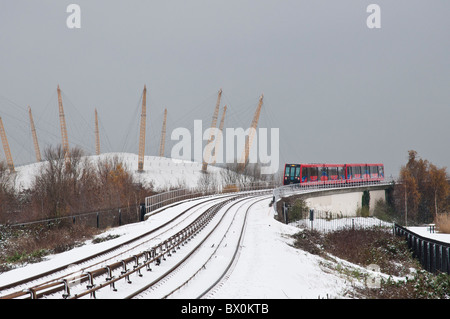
column 287, row 190
column 337, row 197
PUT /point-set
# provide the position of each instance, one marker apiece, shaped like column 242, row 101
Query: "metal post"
column 110, row 278
column 66, row 293
column 91, row 284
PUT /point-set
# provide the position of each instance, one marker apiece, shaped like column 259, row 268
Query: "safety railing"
column 294, row 189
column 318, row 186
column 99, row 219
column 325, row 221
column 157, row 201
column 433, row 255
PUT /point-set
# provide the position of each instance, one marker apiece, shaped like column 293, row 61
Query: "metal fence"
column 99, row 219
column 433, row 255
column 154, row 202
column 287, row 190
column 326, row 221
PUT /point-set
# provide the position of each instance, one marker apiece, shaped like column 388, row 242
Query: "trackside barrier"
column 99, row 219
column 325, row 221
column 433, row 255
column 154, row 202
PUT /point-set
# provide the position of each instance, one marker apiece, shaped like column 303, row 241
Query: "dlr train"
column 332, row 173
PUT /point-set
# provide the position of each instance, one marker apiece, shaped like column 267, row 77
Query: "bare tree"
column 7, row 192
column 207, row 183
column 64, row 186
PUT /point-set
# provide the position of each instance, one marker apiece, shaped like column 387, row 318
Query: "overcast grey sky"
column 339, row 91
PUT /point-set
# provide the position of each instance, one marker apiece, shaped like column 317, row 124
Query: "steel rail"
column 180, row 237
column 203, row 266
column 193, row 251
column 237, row 249
column 32, row 290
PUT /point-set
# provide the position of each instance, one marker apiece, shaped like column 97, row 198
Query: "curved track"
column 178, row 247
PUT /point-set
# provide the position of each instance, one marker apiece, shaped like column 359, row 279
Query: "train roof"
column 333, row 165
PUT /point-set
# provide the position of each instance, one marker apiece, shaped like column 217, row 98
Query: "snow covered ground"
column 162, row 172
column 268, row 265
column 425, row 232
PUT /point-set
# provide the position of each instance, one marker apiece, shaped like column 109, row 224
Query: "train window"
column 323, row 171
column 297, row 171
column 341, row 173
column 381, row 171
column 374, row 170
column 332, row 171
column 304, row 172
column 313, row 173
column 355, row 172
column 287, row 171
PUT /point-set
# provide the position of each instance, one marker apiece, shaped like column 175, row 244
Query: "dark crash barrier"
column 433, row 255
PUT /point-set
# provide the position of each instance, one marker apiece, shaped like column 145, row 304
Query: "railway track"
column 137, row 267
column 210, row 260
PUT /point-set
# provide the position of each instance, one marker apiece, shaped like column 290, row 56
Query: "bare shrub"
column 7, row 192
column 442, row 222
column 33, row 243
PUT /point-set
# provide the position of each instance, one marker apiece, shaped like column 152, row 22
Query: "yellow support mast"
column 251, row 134
column 163, row 136
column 6, row 148
column 62, row 122
column 213, row 126
column 142, row 132
column 35, row 140
column 218, row 140
column 97, row 135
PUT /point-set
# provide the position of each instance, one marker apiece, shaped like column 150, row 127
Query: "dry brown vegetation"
column 62, row 188
column 377, row 246
column 442, row 222
column 30, row 244
column 423, row 191
column 69, row 187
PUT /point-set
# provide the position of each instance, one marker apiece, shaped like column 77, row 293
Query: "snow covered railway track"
column 228, row 269
column 57, row 279
column 153, row 257
column 215, row 254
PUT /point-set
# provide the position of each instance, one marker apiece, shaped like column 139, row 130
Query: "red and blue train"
column 332, row 173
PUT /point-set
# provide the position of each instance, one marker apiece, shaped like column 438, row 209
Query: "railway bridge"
column 340, row 198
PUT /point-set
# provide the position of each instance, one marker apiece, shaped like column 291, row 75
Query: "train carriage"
column 332, row 173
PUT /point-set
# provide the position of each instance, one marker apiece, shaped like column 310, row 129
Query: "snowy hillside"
column 161, row 171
